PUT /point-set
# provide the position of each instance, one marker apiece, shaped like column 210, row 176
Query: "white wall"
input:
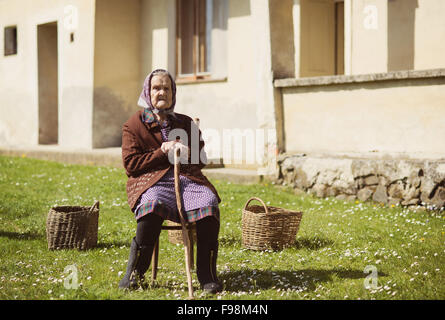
column 117, row 68
column 18, row 73
column 369, row 36
column 430, row 35
column 376, row 118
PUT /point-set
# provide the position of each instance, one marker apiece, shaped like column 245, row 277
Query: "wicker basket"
column 268, row 227
column 175, row 236
column 72, row 227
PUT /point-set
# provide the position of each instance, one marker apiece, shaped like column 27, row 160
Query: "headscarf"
column 144, row 99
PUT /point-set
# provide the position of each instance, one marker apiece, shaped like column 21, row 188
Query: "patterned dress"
column 198, row 200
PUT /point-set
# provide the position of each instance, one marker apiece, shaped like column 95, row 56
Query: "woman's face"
column 161, row 91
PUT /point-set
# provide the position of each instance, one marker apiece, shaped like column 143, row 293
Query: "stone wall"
column 389, row 181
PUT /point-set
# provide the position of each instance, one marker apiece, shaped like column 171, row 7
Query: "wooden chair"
column 189, row 253
column 187, row 231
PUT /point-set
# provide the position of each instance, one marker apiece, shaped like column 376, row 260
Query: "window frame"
column 199, row 52
column 339, row 38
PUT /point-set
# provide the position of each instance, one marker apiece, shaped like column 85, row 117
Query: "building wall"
column 115, row 46
column 239, row 97
column 19, row 73
column 158, row 36
column 232, row 99
column 401, row 34
column 117, row 68
column 416, row 34
column 375, row 118
column 379, row 36
column 367, row 137
column 397, row 35
column 429, row 35
column 372, row 134
column 369, row 36
column 282, row 38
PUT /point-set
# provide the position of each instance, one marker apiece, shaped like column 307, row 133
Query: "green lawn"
column 336, row 242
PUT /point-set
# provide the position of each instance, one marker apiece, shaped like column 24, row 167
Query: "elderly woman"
column 146, row 145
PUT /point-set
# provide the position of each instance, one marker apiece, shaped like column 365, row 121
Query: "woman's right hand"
column 170, row 147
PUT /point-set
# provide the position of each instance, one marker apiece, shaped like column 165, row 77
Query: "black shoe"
column 138, row 263
column 212, row 287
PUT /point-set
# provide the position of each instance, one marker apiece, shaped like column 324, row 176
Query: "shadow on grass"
column 314, row 243
column 306, row 279
column 21, row 236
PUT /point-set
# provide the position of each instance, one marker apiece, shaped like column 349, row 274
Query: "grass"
column 336, row 242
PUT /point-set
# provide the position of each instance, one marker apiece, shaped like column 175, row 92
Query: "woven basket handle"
column 95, row 205
column 258, row 199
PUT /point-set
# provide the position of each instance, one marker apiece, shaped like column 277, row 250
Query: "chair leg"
column 154, row 271
column 155, row 257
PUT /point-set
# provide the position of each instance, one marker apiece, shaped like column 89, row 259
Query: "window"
column 201, row 29
column 10, row 41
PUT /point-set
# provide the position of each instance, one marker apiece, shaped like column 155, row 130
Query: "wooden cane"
column 185, row 234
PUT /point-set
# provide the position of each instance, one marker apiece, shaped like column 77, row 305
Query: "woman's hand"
column 167, row 146
column 170, row 146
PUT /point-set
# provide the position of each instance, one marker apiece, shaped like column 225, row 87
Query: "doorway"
column 322, row 38
column 339, row 37
column 47, row 54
